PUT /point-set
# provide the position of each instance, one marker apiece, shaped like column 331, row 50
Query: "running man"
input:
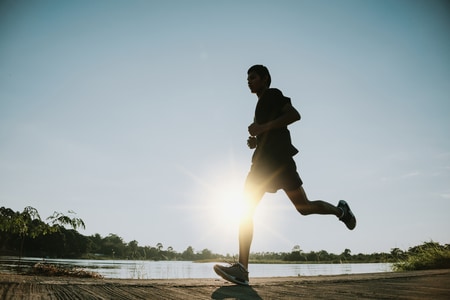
column 273, row 168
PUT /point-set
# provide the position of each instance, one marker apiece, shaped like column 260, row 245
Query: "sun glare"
column 221, row 196
column 219, row 199
column 228, row 203
column 218, row 205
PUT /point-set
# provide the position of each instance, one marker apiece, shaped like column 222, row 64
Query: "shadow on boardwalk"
column 434, row 284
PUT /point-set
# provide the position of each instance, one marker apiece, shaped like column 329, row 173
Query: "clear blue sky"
column 134, row 114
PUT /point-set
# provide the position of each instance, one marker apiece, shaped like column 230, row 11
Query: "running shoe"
column 348, row 217
column 235, row 273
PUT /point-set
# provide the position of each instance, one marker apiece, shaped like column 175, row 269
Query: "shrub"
column 53, row 270
column 425, row 257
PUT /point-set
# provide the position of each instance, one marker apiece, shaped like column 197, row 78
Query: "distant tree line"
column 25, row 234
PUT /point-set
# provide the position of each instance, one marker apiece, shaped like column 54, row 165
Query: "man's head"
column 262, row 72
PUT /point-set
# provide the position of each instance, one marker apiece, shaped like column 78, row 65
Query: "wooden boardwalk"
column 433, row 284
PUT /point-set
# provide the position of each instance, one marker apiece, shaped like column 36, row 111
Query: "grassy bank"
column 425, row 257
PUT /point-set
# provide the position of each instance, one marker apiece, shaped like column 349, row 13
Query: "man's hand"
column 255, row 129
column 251, row 142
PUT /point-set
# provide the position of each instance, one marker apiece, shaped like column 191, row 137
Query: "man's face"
column 256, row 83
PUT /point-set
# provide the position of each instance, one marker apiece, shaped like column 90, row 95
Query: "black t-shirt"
column 274, row 145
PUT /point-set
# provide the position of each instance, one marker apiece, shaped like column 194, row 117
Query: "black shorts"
column 271, row 176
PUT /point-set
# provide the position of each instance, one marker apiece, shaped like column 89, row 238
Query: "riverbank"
column 432, row 284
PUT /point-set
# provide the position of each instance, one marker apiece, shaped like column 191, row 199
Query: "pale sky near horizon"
column 134, row 115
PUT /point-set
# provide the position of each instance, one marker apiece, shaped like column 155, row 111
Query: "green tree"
column 95, row 244
column 397, row 253
column 113, row 245
column 132, row 250
column 28, row 223
column 346, row 254
column 170, row 253
column 25, row 224
column 296, row 254
column 206, row 254
column 322, row 255
column 152, row 253
column 188, row 254
column 59, row 219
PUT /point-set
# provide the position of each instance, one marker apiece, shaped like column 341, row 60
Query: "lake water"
column 131, row 269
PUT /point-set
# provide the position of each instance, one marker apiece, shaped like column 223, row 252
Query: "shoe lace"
column 236, row 263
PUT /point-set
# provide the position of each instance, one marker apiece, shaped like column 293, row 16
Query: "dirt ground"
column 433, row 284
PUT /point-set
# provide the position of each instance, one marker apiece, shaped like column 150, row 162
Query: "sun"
column 217, row 198
column 228, row 202
column 217, row 206
column 221, row 197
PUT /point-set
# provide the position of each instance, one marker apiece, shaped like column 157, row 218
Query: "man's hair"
column 262, row 72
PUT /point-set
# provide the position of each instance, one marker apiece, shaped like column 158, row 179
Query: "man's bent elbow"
column 296, row 116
